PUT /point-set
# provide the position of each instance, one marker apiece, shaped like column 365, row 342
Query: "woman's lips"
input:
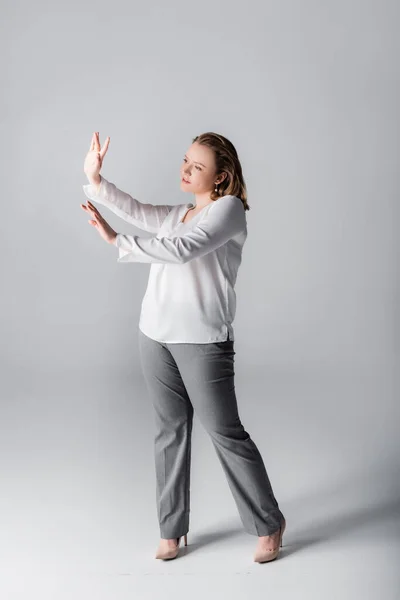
column 185, row 181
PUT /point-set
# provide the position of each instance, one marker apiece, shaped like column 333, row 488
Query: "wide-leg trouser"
column 181, row 378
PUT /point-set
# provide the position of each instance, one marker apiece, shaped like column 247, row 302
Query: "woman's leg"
column 173, row 417
column 207, row 371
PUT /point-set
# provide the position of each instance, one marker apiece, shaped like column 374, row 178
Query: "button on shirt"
column 190, row 295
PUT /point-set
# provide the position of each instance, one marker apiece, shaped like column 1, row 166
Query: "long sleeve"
column 148, row 217
column 223, row 220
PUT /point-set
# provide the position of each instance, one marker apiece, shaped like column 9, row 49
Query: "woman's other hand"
column 94, row 159
column 98, row 222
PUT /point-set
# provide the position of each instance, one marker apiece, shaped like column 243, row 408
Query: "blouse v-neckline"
column 181, row 222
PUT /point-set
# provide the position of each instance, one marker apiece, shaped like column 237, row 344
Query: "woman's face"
column 198, row 169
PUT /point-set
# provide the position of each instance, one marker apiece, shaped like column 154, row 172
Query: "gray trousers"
column 181, row 378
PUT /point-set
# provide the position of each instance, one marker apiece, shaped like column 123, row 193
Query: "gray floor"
column 77, row 470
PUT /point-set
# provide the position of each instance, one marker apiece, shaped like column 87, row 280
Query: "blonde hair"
column 227, row 161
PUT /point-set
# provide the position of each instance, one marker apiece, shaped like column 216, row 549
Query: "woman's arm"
column 225, row 219
column 148, row 217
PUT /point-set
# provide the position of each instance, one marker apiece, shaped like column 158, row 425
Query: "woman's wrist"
column 95, row 182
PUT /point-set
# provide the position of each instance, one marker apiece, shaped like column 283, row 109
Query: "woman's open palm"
column 94, row 158
column 105, row 230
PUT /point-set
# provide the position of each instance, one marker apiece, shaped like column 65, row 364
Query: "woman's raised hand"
column 94, row 158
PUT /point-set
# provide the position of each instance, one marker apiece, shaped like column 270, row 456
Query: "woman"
column 186, row 338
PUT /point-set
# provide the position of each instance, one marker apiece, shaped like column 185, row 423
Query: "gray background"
column 309, row 93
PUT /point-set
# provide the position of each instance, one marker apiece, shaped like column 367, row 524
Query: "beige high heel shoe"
column 262, row 556
column 171, row 552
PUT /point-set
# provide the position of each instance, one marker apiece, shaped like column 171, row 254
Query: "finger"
column 104, row 148
column 92, row 222
column 92, row 141
column 97, row 144
column 94, row 210
column 91, row 205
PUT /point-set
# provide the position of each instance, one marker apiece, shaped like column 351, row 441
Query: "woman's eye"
column 198, row 168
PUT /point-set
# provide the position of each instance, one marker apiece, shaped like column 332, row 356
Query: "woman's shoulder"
column 231, row 205
column 230, row 199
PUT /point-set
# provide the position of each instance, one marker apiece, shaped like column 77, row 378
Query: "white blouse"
column 190, row 296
